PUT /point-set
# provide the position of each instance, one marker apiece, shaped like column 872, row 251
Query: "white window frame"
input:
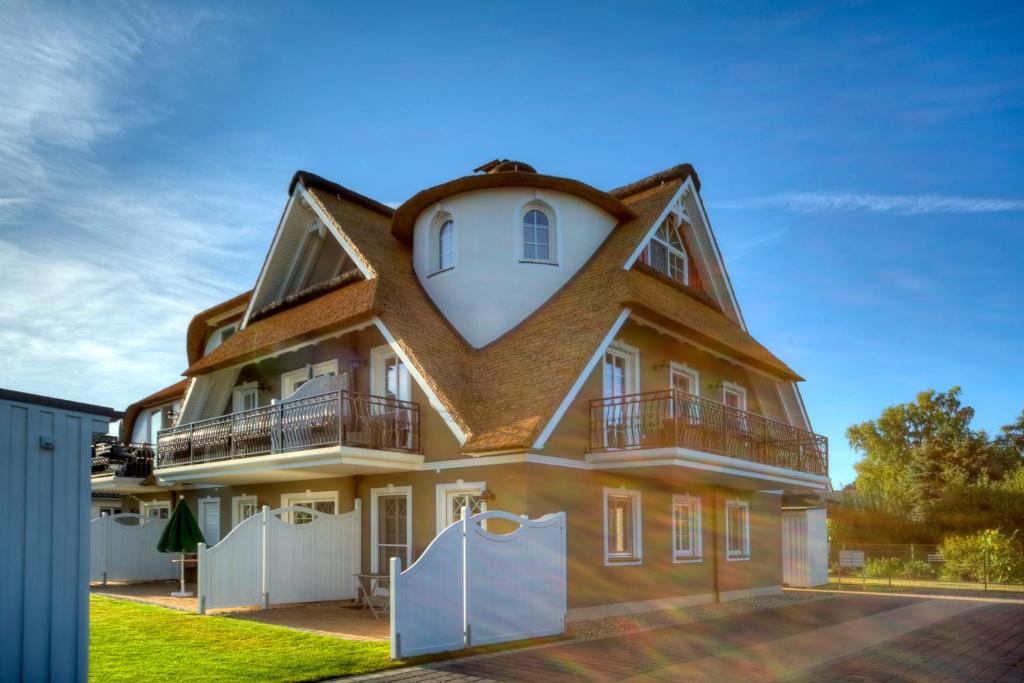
column 236, row 508
column 553, row 241
column 240, row 392
column 682, row 254
column 304, row 374
column 737, row 389
column 637, row 557
column 375, row 495
column 631, row 355
column 378, row 356
column 695, row 553
column 444, row 492
column 289, row 499
column 436, row 253
column 730, row 554
column 202, row 518
column 154, row 504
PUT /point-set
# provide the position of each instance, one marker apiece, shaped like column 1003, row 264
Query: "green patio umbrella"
column 182, row 535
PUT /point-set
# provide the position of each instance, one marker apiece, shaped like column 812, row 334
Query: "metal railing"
column 674, row 418
column 337, row 418
column 122, row 460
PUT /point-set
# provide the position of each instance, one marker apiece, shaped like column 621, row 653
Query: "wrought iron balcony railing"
column 674, row 418
column 342, row 418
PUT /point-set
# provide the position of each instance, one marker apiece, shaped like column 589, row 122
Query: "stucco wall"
column 490, row 289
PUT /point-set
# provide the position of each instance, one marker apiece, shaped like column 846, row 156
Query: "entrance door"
column 209, row 520
column 622, row 428
column 391, row 528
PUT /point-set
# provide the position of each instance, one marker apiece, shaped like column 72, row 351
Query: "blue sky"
column 863, row 166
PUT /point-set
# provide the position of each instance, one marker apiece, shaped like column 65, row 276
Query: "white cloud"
column 101, row 272
column 814, row 202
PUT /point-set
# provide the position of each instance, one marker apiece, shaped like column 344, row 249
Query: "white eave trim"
column 343, row 240
column 685, row 457
column 432, row 397
column 578, row 384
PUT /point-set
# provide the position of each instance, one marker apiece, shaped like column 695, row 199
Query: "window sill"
column 438, row 272
column 622, row 563
column 687, row 560
column 738, row 559
column 538, row 263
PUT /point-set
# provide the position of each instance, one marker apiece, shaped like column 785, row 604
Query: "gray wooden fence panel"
column 44, row 592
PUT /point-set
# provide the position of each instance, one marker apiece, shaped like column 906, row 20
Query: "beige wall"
column 533, row 489
column 570, row 438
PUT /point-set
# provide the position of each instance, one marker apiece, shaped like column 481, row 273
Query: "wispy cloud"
column 99, row 271
column 816, row 202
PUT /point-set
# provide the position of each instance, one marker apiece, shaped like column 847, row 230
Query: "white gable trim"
column 578, row 384
column 432, row 397
column 335, row 229
column 301, row 194
column 729, row 295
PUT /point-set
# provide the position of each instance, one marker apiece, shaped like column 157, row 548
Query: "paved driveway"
column 846, row 638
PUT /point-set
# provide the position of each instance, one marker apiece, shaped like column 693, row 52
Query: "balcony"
column 676, row 419
column 337, row 418
column 133, row 461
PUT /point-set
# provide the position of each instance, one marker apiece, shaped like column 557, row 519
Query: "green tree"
column 915, row 450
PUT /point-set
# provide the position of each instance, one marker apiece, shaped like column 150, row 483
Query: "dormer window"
column 446, row 245
column 538, row 237
column 666, row 252
column 442, row 243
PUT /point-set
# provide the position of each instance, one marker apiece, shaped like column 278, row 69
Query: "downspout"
column 715, row 561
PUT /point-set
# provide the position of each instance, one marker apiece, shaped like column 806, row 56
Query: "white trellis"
column 472, row 587
column 269, row 560
column 120, row 551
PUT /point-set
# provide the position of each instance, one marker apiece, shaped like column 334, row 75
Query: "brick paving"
column 637, row 654
column 983, row 645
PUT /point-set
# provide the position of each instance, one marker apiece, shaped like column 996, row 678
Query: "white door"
column 621, row 426
column 209, row 519
column 391, row 529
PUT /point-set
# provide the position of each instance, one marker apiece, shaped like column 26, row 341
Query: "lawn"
column 133, row 642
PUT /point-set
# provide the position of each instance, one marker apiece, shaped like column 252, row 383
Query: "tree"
column 914, row 451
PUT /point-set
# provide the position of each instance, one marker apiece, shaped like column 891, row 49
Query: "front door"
column 622, row 428
column 391, row 529
column 209, row 520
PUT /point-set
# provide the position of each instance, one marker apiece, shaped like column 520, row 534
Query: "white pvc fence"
column 471, row 587
column 127, row 552
column 269, row 560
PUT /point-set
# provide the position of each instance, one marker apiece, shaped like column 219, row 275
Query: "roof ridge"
column 313, row 180
column 680, row 171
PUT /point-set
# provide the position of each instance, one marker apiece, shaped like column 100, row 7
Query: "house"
column 511, row 340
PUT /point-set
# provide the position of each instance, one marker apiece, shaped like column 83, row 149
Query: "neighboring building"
column 505, row 339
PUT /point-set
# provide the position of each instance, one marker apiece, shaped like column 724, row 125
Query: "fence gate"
column 472, row 587
column 127, row 552
column 804, row 547
column 269, row 559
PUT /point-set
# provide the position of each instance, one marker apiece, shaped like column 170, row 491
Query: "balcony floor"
column 110, row 483
column 315, row 463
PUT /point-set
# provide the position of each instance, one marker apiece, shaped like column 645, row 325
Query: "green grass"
column 134, row 642
column 856, row 582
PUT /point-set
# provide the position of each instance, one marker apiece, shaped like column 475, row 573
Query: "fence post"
column 105, row 534
column 889, row 569
column 467, row 637
column 395, row 596
column 265, row 556
column 985, row 564
column 200, row 579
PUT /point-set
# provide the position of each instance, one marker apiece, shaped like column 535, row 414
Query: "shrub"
column 989, row 555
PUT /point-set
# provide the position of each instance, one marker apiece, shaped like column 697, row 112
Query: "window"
column 390, row 377
column 686, row 529
column 242, row 508
column 227, row 332
column 734, row 396
column 621, row 372
column 390, row 527
column 538, row 242
column 156, row 510
column 622, row 527
column 321, row 501
column 666, row 252
column 685, row 383
column 737, row 530
column 291, row 381
column 246, row 397
column 451, row 498
column 446, row 246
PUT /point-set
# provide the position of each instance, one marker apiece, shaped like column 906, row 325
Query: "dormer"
column 490, row 249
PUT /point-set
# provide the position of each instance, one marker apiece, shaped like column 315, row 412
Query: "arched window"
column 666, row 253
column 446, row 245
column 538, row 244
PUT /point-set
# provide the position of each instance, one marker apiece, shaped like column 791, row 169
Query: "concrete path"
column 836, row 639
